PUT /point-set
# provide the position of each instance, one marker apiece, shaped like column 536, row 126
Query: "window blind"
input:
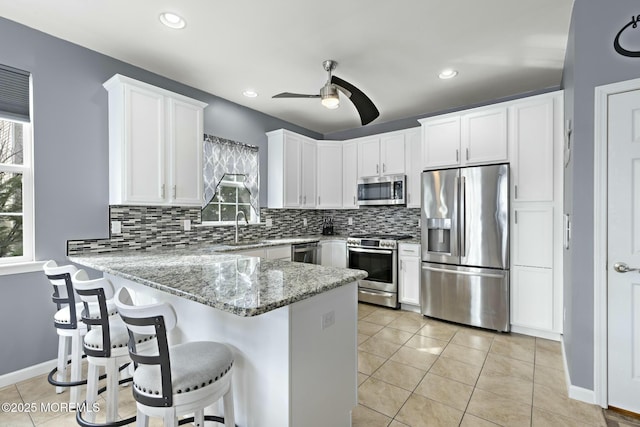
column 14, row 93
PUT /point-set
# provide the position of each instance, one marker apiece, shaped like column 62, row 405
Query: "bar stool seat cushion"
column 63, row 316
column 194, row 365
column 118, row 335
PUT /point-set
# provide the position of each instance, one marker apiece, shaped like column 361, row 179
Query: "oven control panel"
column 371, row 243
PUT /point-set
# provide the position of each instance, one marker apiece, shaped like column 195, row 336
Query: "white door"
column 624, row 247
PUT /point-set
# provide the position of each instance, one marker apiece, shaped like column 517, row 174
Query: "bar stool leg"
column 92, row 390
column 63, row 351
column 142, row 419
column 229, row 415
column 198, row 418
column 113, row 377
column 76, row 364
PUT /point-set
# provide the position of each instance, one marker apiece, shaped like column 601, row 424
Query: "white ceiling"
column 392, row 50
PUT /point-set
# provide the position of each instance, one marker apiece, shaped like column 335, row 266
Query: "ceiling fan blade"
column 294, row 95
column 367, row 110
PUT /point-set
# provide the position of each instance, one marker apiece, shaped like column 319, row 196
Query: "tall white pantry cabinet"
column 155, row 145
column 527, row 133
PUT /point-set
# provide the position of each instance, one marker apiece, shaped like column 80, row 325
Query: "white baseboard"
column 553, row 336
column 575, row 392
column 410, row 307
column 27, row 373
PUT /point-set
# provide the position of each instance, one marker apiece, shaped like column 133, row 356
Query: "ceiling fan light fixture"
column 329, row 95
column 447, row 74
column 172, row 20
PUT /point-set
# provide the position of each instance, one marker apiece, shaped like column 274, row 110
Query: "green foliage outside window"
column 11, row 207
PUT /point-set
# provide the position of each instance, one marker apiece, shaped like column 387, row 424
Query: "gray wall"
column 71, row 168
column 591, row 61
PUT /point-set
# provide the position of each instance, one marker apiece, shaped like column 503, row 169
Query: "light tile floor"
column 413, row 371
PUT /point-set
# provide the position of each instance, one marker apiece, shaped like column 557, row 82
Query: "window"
column 230, row 198
column 15, row 192
column 16, row 175
column 231, row 181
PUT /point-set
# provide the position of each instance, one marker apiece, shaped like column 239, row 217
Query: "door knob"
column 621, row 267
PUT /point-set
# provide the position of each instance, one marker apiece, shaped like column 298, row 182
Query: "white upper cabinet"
column 291, row 170
column 478, row 136
column 330, row 175
column 155, row 145
column 350, row 175
column 484, row 136
column 413, row 161
column 381, row 155
column 441, row 141
column 532, row 133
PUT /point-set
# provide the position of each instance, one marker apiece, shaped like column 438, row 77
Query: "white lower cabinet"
column 333, row 253
column 281, row 252
column 409, row 273
column 533, row 297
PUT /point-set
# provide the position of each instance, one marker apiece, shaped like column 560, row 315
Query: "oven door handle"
column 377, row 294
column 371, row 251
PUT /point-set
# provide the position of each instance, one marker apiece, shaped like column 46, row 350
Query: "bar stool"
column 172, row 381
column 69, row 328
column 105, row 344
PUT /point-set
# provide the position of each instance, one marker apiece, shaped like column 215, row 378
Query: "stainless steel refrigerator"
column 465, row 245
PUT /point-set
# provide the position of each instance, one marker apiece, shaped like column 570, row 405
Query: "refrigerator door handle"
column 462, row 273
column 463, row 213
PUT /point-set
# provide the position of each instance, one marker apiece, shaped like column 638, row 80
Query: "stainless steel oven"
column 378, row 256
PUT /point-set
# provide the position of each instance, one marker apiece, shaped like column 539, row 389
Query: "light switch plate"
column 328, row 319
column 268, row 222
column 304, row 222
column 116, row 227
column 350, row 221
column 186, row 225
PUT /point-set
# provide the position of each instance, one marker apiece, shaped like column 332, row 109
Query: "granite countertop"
column 242, row 285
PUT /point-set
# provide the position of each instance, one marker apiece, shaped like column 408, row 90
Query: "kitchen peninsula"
column 292, row 326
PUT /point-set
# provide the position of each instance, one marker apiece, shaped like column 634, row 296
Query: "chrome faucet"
column 245, row 220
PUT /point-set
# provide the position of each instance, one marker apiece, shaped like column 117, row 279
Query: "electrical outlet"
column 419, row 223
column 350, row 221
column 268, row 222
column 304, row 222
column 328, row 319
column 186, row 225
column 116, row 227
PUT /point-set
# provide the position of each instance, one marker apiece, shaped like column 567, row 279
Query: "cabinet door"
column 484, row 136
column 532, row 297
column 292, row 168
column 413, row 155
column 144, row 176
column 308, row 174
column 185, row 159
column 533, row 236
column 369, row 157
column 350, row 175
column 392, row 150
column 533, row 139
column 329, row 175
column 278, row 252
column 441, row 142
column 409, row 280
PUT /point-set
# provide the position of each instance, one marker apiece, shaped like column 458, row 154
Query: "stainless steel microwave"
column 382, row 190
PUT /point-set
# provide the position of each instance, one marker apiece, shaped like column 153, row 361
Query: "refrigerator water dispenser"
column 439, row 235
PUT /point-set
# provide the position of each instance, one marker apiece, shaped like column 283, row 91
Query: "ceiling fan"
column 330, row 99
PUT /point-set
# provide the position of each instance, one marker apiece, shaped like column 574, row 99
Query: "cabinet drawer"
column 408, row 249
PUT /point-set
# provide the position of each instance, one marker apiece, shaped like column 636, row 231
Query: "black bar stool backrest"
column 153, row 319
column 60, row 278
column 94, row 292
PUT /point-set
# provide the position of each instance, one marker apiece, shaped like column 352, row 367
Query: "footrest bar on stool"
column 84, row 423
column 213, row 418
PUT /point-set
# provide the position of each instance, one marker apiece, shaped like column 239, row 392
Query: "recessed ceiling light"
column 447, row 74
column 172, row 20
column 250, row 93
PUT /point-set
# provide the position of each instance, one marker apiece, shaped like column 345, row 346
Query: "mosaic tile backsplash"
column 148, row 227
